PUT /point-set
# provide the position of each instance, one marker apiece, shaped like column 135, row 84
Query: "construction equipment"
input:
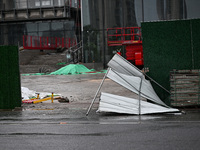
column 130, row 37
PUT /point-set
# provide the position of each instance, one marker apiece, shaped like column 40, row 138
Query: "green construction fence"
column 10, row 89
column 169, row 45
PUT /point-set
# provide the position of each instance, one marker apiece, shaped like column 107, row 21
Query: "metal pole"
column 97, row 92
column 156, row 83
column 82, row 30
column 103, row 36
column 142, row 10
column 19, row 72
column 89, row 45
column 140, row 96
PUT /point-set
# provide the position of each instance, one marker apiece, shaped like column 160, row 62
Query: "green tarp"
column 71, row 69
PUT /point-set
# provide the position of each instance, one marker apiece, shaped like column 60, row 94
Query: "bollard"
column 52, row 97
column 38, row 95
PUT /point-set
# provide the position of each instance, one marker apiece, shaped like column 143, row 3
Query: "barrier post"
column 38, row 95
column 52, row 97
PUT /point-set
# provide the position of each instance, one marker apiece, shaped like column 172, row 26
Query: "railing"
column 47, row 43
column 121, row 36
column 74, row 54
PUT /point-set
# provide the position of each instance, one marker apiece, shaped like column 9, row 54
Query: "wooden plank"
column 185, row 88
column 194, row 85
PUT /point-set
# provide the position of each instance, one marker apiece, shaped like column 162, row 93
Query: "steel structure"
column 34, row 10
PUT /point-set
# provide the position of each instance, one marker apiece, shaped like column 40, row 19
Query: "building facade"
column 38, row 18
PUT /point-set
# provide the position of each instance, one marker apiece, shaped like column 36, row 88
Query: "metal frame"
column 97, row 93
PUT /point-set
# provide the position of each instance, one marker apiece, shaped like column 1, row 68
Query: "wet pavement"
column 75, row 113
column 65, row 126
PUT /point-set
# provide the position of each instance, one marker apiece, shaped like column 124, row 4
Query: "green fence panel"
column 10, row 89
column 195, row 32
column 169, row 45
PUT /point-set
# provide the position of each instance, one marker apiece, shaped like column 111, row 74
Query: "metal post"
column 19, row 71
column 97, row 92
column 89, row 44
column 82, row 30
column 140, row 96
column 142, row 10
column 104, row 37
column 156, row 83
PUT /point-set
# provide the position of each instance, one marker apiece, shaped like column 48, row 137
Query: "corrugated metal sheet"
column 125, row 105
column 10, row 89
column 133, row 84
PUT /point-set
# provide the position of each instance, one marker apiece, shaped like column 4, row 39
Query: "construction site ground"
column 79, row 88
column 58, row 125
